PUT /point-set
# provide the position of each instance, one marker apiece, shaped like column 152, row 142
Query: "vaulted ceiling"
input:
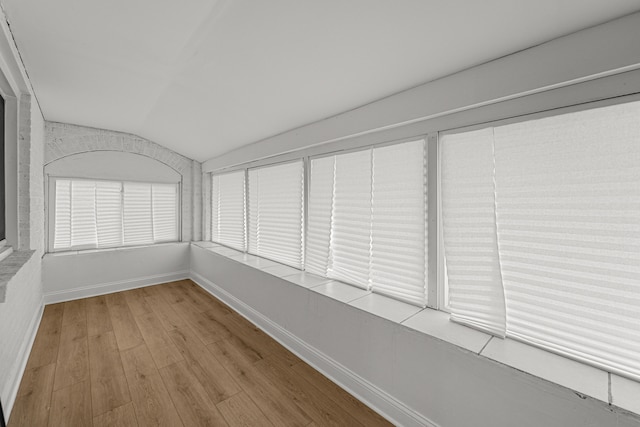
column 203, row 77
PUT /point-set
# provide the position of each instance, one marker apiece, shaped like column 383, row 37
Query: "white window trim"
column 50, row 209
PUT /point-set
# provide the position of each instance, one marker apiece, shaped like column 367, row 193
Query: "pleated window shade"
column 476, row 293
column 109, row 213
column 276, row 213
column 320, row 206
column 102, row 214
column 367, row 220
column 399, row 222
column 165, row 214
column 567, row 203
column 350, row 238
column 228, row 209
column 138, row 220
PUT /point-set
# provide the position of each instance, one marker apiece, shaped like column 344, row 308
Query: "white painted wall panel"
column 69, row 276
column 431, row 379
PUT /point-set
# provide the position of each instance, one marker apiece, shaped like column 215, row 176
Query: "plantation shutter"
column 319, row 216
column 476, row 295
column 350, row 246
column 568, row 203
column 276, row 213
column 165, row 212
column 399, row 222
column 228, row 209
column 138, row 220
column 109, row 213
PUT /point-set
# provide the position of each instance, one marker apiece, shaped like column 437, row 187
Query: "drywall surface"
column 19, row 317
column 113, row 165
column 66, row 141
column 73, row 275
column 21, row 310
column 413, row 378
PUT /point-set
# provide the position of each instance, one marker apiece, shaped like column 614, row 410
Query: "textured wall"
column 19, row 314
column 65, row 139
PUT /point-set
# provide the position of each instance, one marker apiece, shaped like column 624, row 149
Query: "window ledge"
column 9, row 267
column 106, row 250
column 583, row 379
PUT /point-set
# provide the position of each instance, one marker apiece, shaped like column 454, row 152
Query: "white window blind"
column 138, row 220
column 276, row 213
column 83, row 214
column 367, row 220
column 320, row 207
column 101, row 214
column 399, row 222
column 476, row 294
column 165, row 214
column 228, row 209
column 567, row 197
column 350, row 244
column 109, row 213
column 62, row 223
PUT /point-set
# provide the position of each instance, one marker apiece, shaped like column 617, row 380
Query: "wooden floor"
column 170, row 355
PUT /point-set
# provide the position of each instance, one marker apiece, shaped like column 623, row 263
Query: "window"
column 276, row 213
column 102, row 214
column 542, row 233
column 228, row 209
column 367, row 220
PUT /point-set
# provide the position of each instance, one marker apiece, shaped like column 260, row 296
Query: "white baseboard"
column 110, row 287
column 23, row 358
column 374, row 397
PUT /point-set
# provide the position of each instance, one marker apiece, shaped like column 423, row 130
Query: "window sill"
column 584, row 380
column 106, row 250
column 10, row 264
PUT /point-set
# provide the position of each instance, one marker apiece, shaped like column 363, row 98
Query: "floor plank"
column 277, row 407
column 240, row 411
column 109, row 388
column 340, row 397
column 135, row 299
column 168, row 317
column 163, row 350
column 124, row 327
column 45, row 346
column 151, row 399
column 170, row 355
column 207, row 329
column 74, row 311
column 122, row 416
column 34, row 397
column 216, row 380
column 311, row 400
column 73, row 355
column 189, row 396
column 98, row 318
column 71, row 406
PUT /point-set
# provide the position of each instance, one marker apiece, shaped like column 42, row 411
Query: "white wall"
column 70, row 276
column 413, row 378
column 21, row 311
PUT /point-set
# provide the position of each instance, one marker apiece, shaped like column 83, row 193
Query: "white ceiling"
column 203, row 77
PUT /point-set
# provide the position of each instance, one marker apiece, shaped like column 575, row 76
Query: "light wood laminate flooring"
column 170, row 355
